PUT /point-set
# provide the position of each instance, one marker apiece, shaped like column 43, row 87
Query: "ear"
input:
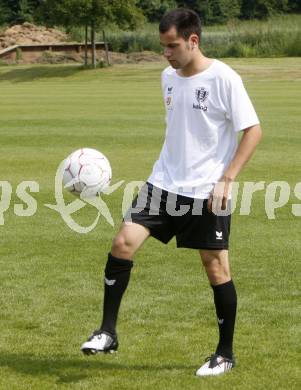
column 194, row 41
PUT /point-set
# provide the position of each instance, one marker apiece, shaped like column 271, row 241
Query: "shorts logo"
column 219, row 235
column 169, row 90
column 201, row 95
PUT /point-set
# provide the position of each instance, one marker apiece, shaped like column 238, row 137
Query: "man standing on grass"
column 188, row 192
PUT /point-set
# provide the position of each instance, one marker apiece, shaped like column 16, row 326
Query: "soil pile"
column 27, row 33
column 30, row 34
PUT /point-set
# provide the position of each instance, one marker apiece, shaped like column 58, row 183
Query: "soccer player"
column 188, row 193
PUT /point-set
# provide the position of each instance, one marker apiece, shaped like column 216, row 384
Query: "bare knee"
column 121, row 247
column 216, row 264
column 129, row 239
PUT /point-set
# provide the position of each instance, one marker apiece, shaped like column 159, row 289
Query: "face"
column 177, row 51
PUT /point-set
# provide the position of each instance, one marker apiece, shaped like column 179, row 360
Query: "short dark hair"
column 185, row 21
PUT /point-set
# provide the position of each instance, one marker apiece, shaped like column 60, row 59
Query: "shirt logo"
column 201, row 95
column 168, row 98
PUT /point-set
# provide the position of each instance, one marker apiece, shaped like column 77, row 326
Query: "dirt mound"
column 30, row 34
column 27, row 33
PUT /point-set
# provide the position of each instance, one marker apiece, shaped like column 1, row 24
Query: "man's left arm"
column 250, row 139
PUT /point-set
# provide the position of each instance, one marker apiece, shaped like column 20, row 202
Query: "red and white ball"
column 87, row 172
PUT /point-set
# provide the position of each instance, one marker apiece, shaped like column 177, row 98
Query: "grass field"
column 51, row 277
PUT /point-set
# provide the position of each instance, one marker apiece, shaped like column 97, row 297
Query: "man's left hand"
column 220, row 194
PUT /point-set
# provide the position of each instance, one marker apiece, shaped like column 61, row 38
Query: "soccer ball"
column 87, row 172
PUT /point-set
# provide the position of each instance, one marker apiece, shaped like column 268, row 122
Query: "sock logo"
column 219, row 235
column 110, row 282
column 220, row 321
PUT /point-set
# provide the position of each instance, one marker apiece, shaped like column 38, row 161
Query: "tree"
column 94, row 13
column 17, row 11
column 262, row 9
column 294, row 5
column 25, row 11
column 155, row 9
column 213, row 11
column 220, row 11
column 229, row 9
column 5, row 12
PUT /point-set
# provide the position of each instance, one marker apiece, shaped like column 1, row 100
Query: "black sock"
column 117, row 276
column 225, row 300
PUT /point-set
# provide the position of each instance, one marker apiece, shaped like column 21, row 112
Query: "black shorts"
column 167, row 215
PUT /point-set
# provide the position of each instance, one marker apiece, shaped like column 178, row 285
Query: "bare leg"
column 128, row 240
column 216, row 263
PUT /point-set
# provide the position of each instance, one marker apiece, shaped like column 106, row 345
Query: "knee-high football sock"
column 225, row 300
column 117, row 276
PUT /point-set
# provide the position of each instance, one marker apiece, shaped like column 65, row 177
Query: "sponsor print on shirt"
column 201, row 95
column 168, row 98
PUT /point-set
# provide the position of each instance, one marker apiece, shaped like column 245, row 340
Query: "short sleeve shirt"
column 204, row 113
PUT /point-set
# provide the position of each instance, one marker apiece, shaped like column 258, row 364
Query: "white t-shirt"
column 204, row 112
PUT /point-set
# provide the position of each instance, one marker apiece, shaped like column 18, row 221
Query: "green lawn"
column 51, row 277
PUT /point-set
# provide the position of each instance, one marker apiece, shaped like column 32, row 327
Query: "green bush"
column 18, row 54
column 133, row 41
column 293, row 48
column 278, row 36
column 240, row 50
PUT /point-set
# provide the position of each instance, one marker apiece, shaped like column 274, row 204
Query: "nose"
column 167, row 52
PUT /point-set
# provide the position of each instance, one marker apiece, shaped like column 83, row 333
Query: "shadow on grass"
column 68, row 370
column 19, row 75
